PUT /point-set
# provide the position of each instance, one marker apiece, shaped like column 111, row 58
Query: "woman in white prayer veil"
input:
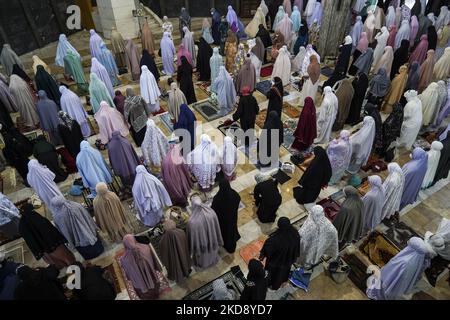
column 433, row 160
column 189, row 44
column 204, row 162
column 282, row 66
column 382, row 38
column 309, row 10
column 390, row 17
column 264, row 7
column 229, row 159
column 362, row 142
column 443, row 19
column 297, row 62
column 149, row 90
column 285, row 28
column 430, row 108
column 403, row 33
column 155, row 145
column 393, row 190
column 279, row 16
column 327, row 115
column 369, row 25
column 25, row 100
column 309, row 52
column 176, row 99
column 252, row 28
column 412, row 119
column 440, row 241
column 318, row 237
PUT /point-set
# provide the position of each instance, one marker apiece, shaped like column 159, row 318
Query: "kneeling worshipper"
column 395, row 91
column 77, row 226
column 176, row 177
column 9, row 218
column 41, row 179
column 174, row 251
column 135, row 113
column 246, row 112
column 40, row 284
column 275, row 96
column 339, row 152
column 440, row 240
column 204, row 162
column 349, row 221
column 93, row 284
column 344, row 95
column 74, row 68
column 215, row 63
column 44, row 81
column 267, row 200
column 312, row 82
column 150, row 197
column 43, row 239
column 123, row 158
column 412, row 120
column 280, row 251
column 204, row 55
column 306, row 130
column 186, row 121
column 48, row 115
column 361, row 145
column 17, row 150
column 147, row 60
column 373, row 203
column 141, row 268
column 110, row 214
column 63, row 48
column 273, row 128
column 414, row 172
column 47, row 156
column 318, row 237
column 98, row 93
column 314, row 179
column 225, row 90
column 229, row 159
column 393, row 190
column 282, row 66
column 176, row 99
column 433, row 160
column 109, row 120
column 226, row 205
column 8, row 58
column 149, row 90
column 167, row 54
column 443, row 168
column 430, row 100
column 327, row 115
column 257, row 282
column 92, row 167
column 204, row 235
column 400, row 275
column 70, row 132
column 25, row 101
column 184, row 78
column 155, row 145
column 246, row 77
column 72, row 104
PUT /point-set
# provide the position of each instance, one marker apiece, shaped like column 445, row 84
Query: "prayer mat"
column 398, row 233
column 261, row 118
column 166, row 121
column 330, row 207
column 281, row 177
column 251, row 251
column 161, row 110
column 264, row 87
column 229, row 129
column 422, row 143
column 207, row 109
column 266, row 71
column 288, row 138
column 378, row 249
column 204, row 87
column 338, row 196
column 375, row 164
column 327, row 71
column 358, row 274
column 437, row 267
column 234, row 280
column 291, row 111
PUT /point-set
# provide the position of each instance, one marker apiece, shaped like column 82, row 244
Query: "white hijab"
column 412, row 119
column 433, row 160
column 282, row 67
column 327, row 115
column 309, row 52
column 229, row 156
column 155, row 145
column 149, row 88
column 362, row 142
column 440, row 241
column 204, row 162
column 382, row 38
column 297, row 62
column 393, row 190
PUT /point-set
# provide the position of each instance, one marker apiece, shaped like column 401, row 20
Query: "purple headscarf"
column 71, row 104
column 95, row 43
column 414, row 172
column 122, row 157
column 48, row 116
column 102, row 74
column 232, row 16
column 167, row 53
column 339, row 152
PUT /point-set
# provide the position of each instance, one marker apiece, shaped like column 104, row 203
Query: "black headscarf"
column 257, row 282
column 46, row 154
column 71, row 134
column 17, row 70
column 184, row 78
column 416, row 10
column 360, row 84
column 444, row 161
column 400, row 57
column 391, row 128
column 413, row 76
column 432, row 38
column 17, row 150
column 147, row 60
column 264, row 35
column 372, row 110
column 93, row 284
column 204, row 55
column 343, row 61
column 44, row 81
column 275, row 96
column 38, row 284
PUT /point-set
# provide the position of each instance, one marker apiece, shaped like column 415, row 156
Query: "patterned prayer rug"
column 378, row 249
column 251, row 251
column 266, row 71
column 204, row 87
column 291, row 111
column 166, row 121
column 398, row 233
column 208, row 110
column 358, row 274
column 264, row 87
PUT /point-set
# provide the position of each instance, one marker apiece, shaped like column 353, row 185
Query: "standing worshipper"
column 372, row 110
column 48, row 115
column 226, row 205
column 206, row 31
column 279, row 16
column 420, row 52
column 225, row 90
column 38, row 62
column 314, row 179
column 109, row 213
column 396, row 90
column 46, row 154
column 426, row 71
column 228, row 159
column 379, row 86
column 382, row 39
column 223, row 29
column 182, row 51
column 216, row 18
column 349, row 221
column 17, row 150
column 184, row 78
column 123, row 158
column 41, row 179
column 63, row 47
column 239, row 59
column 98, row 93
column 232, row 16
column 44, row 81
column 343, row 60
column 393, row 190
column 149, row 90
column 174, row 251
column 414, row 28
column 363, row 63
column 7, row 101
column 257, row 55
column 246, row 77
column 306, row 130
column 189, row 44
column 215, row 63
column 147, row 40
column 230, row 50
column 141, row 267
column 275, row 96
column 74, row 68
column 150, row 197
column 285, row 28
column 72, row 105
column 258, row 19
column 176, row 177
column 176, row 99
column 360, row 85
column 296, row 19
column 155, row 145
column 386, row 61
column 25, row 101
column 339, row 152
column 390, row 131
column 400, row 58
column 433, row 160
column 118, row 47
column 413, row 77
column 110, row 65
column 257, row 282
column 147, row 60
column 443, row 40
column 357, row 30
column 167, row 54
column 8, row 58
column 132, row 59
column 101, row 72
column 273, row 128
column 282, row 66
column 403, row 33
column 327, row 115
column 135, row 113
column 414, row 172
column 109, row 120
column 119, row 101
column 344, row 94
column 205, row 53
column 264, row 35
column 373, row 202
column 267, row 200
column 186, row 121
column 311, row 84
column 70, row 133
column 95, row 43
column 184, row 21
column 92, row 167
column 246, row 111
column 432, row 38
column 441, row 69
column 430, row 107
column 412, row 119
column 280, row 251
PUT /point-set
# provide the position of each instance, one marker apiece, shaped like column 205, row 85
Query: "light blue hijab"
column 296, row 19
column 61, row 50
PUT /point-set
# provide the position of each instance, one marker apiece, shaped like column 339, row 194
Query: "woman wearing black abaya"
column 314, row 179
column 147, row 60
column 184, row 78
column 372, row 110
column 280, row 250
column 257, row 282
column 343, row 60
column 46, row 154
column 275, row 96
column 38, row 284
column 204, row 55
column 400, row 57
column 93, row 284
column 444, row 161
column 70, row 133
column 44, row 81
column 272, row 126
column 416, row 10
column 264, row 35
column 390, row 131
column 432, row 38
column 5, row 117
column 247, row 110
column 267, row 200
column 226, row 205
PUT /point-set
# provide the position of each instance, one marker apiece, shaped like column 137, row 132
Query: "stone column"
column 335, row 26
column 118, row 14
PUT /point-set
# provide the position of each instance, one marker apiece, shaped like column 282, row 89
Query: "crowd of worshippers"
column 403, row 52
